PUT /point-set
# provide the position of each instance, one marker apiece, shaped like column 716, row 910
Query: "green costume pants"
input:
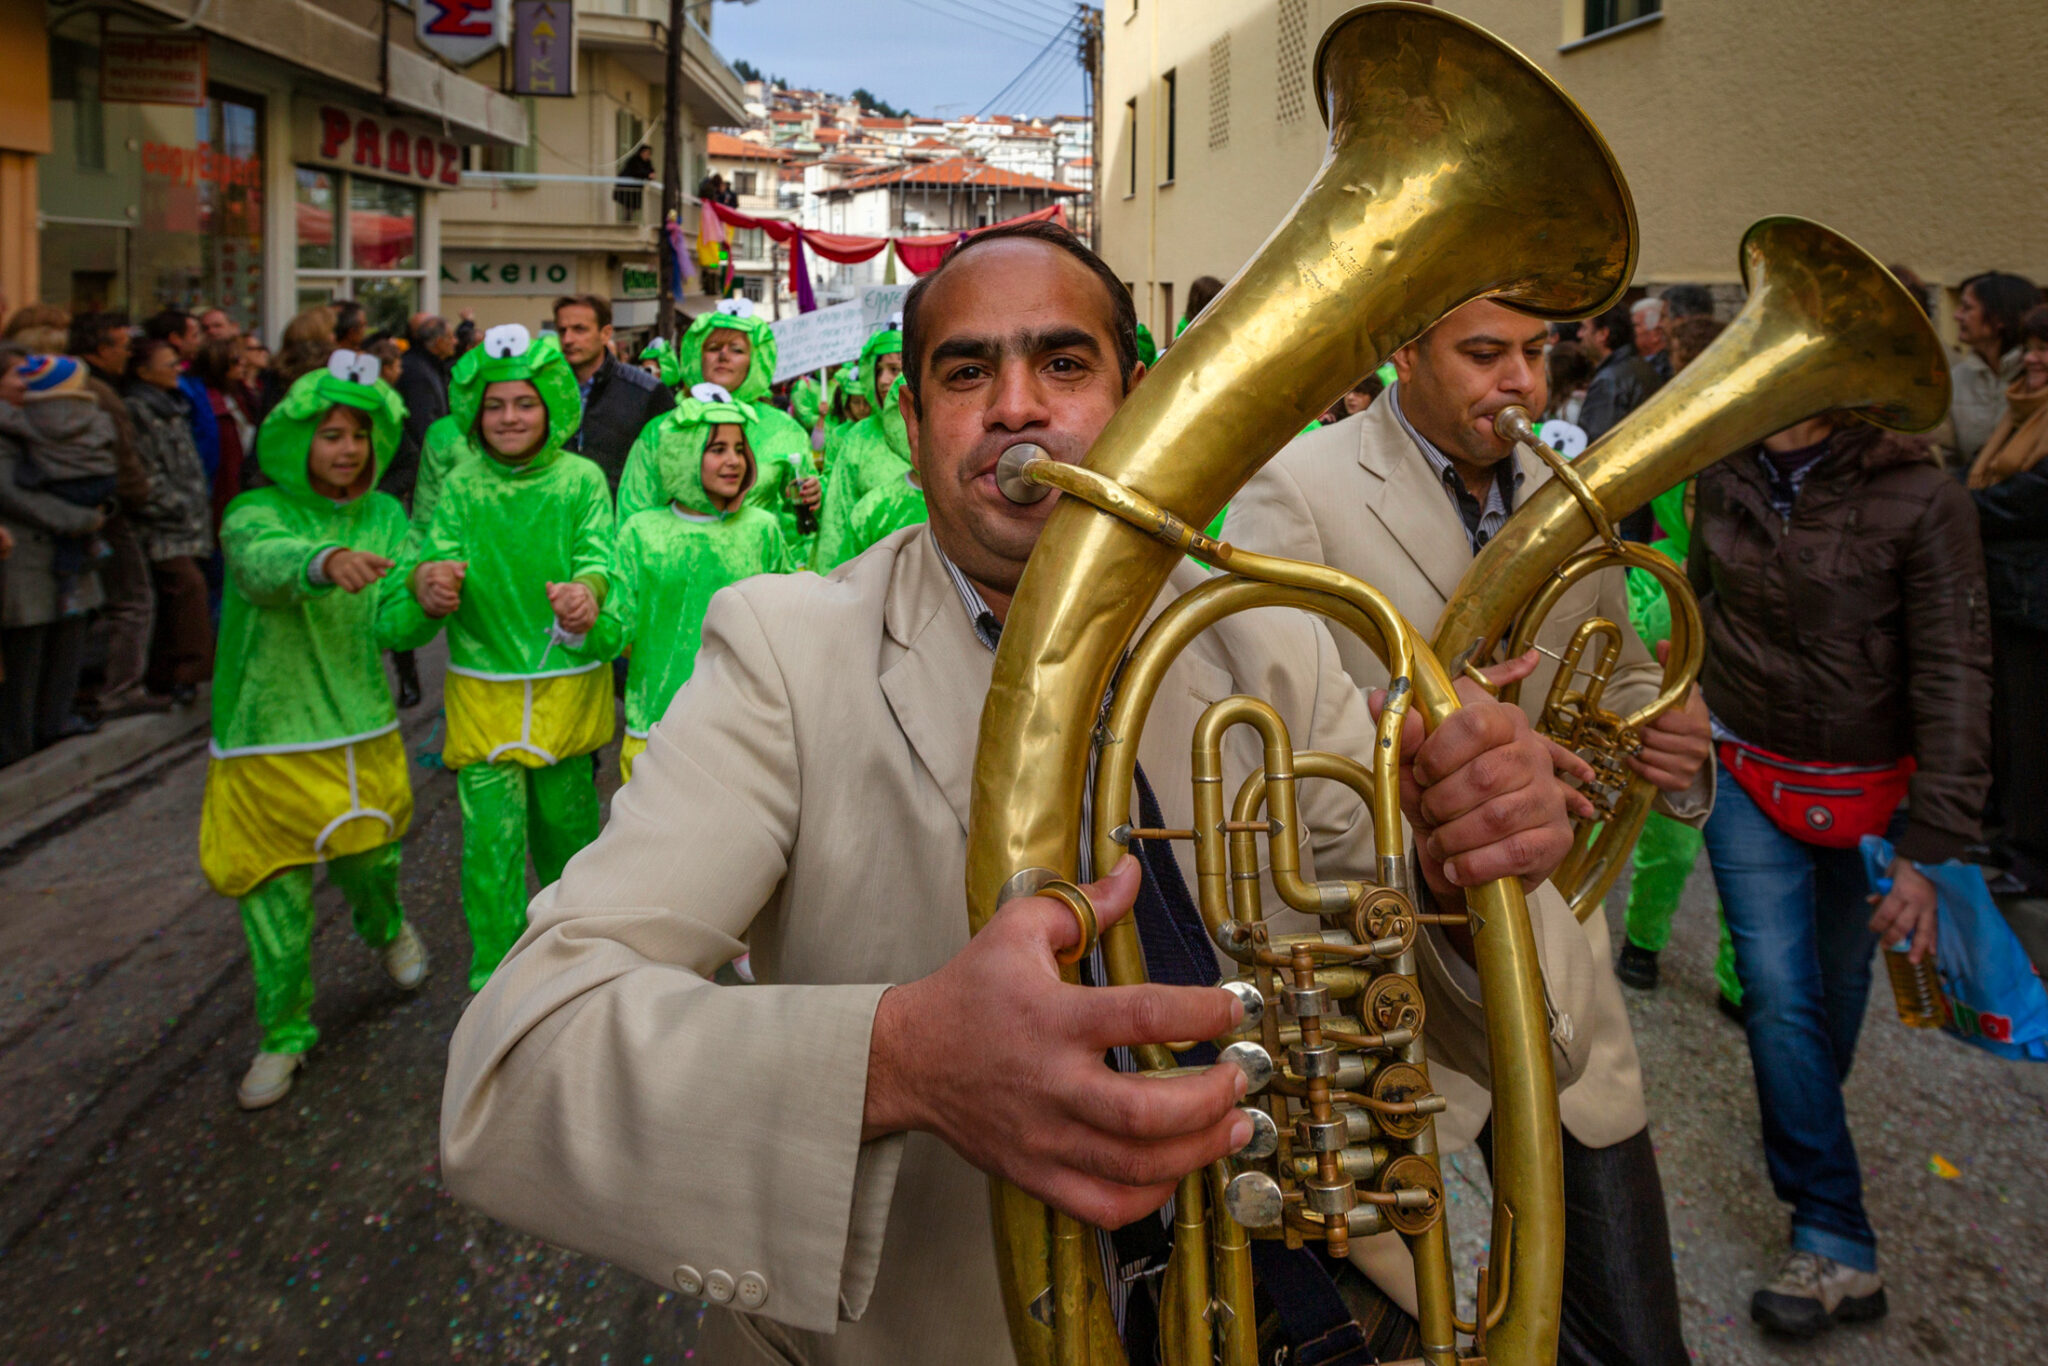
column 277, row 917
column 1664, row 858
column 508, row 809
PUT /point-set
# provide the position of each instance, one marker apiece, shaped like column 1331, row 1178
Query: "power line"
column 1016, row 34
column 1030, row 68
column 1042, row 24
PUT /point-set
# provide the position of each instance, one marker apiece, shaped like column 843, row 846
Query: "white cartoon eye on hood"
column 896, row 321
column 355, row 367
column 736, row 308
column 710, row 393
column 507, row 340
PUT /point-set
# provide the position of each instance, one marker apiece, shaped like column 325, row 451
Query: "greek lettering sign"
column 639, row 281
column 833, row 336
column 461, row 31
column 142, row 68
column 543, row 47
column 376, row 145
column 506, row 272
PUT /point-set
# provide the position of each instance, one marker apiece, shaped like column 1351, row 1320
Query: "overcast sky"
column 940, row 57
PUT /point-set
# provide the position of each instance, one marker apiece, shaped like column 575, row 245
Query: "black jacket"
column 423, row 384
column 623, row 399
column 1619, row 386
column 2013, row 517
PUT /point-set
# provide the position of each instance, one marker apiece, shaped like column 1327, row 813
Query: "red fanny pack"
column 1832, row 805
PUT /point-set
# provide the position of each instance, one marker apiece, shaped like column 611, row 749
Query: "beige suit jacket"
column 1360, row 496
column 806, row 795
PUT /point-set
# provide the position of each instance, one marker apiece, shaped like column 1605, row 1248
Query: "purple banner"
column 544, row 47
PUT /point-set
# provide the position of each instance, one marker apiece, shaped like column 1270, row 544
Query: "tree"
column 877, row 106
column 747, row 70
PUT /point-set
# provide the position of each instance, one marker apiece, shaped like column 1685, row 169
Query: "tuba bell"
column 1456, row 170
column 1825, row 327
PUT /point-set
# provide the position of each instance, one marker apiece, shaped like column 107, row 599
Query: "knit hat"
column 53, row 377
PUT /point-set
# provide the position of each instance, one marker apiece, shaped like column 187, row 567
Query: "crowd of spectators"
column 121, row 446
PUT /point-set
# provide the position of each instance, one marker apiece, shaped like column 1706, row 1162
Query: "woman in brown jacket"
column 1841, row 582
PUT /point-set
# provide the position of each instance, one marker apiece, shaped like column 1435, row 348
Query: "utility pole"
column 1091, row 62
column 671, row 172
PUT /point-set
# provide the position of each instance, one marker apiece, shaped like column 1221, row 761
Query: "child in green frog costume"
column 1667, row 849
column 517, row 561
column 845, row 406
column 868, row 454
column 308, row 766
column 735, row 350
column 672, row 558
column 893, row 504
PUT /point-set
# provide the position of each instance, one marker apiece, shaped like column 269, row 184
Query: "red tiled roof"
column 958, row 171
column 788, row 116
column 867, row 122
column 830, row 135
column 719, row 144
column 923, row 143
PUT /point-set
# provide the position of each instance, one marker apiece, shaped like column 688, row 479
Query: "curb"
column 34, row 792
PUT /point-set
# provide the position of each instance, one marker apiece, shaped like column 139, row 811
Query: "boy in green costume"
column 894, row 503
column 308, row 765
column 517, row 562
column 869, row 454
column 668, row 367
column 671, row 559
column 1666, row 850
column 735, row 350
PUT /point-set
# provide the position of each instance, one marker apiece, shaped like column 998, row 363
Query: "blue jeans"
column 1803, row 951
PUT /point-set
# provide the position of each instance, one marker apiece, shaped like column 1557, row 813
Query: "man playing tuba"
column 810, row 1153
column 1403, row 496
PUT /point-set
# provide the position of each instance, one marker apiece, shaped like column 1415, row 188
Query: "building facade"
column 920, row 199
column 753, row 171
column 561, row 213
column 256, row 155
column 1719, row 111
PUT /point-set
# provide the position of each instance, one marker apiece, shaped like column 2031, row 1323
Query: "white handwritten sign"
column 811, row 341
column 879, row 305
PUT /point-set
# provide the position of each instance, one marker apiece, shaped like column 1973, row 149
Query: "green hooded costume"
column 806, row 397
column 308, row 764
column 664, row 355
column 843, row 386
column 782, row 449
column 885, row 509
column 672, row 558
column 872, row 452
column 1667, row 850
column 526, row 702
column 1148, row 350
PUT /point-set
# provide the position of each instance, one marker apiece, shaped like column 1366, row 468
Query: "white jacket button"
column 753, row 1290
column 718, row 1285
column 689, row 1280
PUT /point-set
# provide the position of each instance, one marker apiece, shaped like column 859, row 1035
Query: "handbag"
column 1831, row 805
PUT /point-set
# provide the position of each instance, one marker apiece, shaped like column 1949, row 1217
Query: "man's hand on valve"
column 1483, row 791
column 1002, row 1060
column 1678, row 744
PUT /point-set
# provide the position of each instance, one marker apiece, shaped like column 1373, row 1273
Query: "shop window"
column 147, row 206
column 369, row 253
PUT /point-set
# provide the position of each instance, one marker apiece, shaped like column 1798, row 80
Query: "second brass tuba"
column 1825, row 327
column 1456, row 170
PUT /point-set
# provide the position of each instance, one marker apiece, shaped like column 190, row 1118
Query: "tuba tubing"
column 1825, row 327
column 1456, row 170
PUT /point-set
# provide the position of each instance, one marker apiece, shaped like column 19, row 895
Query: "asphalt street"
column 144, row 1218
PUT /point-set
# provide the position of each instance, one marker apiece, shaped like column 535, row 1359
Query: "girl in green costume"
column 308, row 765
column 893, row 504
column 517, row 562
column 735, row 350
column 671, row 559
column 869, row 454
column 1667, row 849
column 846, row 405
column 668, row 367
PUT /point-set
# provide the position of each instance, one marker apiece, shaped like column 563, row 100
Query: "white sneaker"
column 405, row 958
column 268, row 1079
column 1812, row 1294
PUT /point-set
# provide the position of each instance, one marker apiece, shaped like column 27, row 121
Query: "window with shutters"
column 1219, row 93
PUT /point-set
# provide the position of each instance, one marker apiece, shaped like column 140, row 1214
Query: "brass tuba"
column 1456, row 170
column 1825, row 327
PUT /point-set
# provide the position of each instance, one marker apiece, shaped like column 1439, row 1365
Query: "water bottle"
column 1916, row 987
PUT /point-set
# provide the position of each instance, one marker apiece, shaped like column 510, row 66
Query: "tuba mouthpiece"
column 1011, row 477
column 1512, row 424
